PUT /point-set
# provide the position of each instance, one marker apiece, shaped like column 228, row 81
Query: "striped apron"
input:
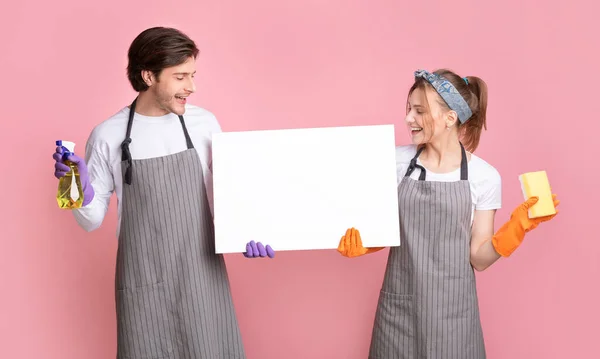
column 428, row 305
column 173, row 299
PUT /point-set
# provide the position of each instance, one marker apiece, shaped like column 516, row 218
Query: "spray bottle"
column 70, row 191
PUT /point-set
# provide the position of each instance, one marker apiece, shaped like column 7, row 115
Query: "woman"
column 448, row 198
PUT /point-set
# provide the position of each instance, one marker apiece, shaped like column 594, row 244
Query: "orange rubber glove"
column 351, row 245
column 510, row 236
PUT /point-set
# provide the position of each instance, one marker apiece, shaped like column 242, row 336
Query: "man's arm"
column 91, row 216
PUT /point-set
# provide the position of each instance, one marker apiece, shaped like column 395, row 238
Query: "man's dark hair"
column 156, row 49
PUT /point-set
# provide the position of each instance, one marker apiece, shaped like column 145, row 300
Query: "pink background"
column 269, row 64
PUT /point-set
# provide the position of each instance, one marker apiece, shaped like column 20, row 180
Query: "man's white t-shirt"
column 484, row 179
column 151, row 137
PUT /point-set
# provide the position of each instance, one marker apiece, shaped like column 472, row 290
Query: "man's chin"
column 178, row 110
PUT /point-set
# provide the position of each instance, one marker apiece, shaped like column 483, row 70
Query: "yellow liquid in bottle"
column 70, row 192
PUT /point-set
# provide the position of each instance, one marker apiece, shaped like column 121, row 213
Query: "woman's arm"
column 487, row 246
column 483, row 253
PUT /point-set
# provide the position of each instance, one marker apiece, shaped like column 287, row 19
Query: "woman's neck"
column 443, row 154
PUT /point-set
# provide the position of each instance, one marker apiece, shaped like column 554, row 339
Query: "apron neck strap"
column 126, row 153
column 464, row 165
column 414, row 165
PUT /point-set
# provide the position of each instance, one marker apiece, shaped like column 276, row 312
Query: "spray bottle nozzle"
column 67, row 148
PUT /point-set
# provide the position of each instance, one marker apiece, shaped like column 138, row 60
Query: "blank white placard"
column 300, row 189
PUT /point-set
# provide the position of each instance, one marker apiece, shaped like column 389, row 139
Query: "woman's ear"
column 451, row 119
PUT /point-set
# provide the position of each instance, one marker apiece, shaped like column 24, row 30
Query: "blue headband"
column 449, row 93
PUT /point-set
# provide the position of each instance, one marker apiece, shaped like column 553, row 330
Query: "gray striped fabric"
column 172, row 291
column 428, row 304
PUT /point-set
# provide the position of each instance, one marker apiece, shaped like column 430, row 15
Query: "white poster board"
column 300, row 189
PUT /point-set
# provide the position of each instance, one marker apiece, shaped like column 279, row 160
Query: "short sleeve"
column 403, row 156
column 489, row 191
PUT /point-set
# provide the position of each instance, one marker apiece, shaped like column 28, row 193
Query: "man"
column 173, row 297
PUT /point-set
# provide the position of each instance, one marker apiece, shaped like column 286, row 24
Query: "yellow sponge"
column 537, row 184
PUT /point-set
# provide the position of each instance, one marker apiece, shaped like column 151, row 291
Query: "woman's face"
column 425, row 117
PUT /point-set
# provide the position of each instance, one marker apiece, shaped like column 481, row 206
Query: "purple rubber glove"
column 60, row 170
column 254, row 250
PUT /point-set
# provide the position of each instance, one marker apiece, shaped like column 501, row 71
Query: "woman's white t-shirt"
column 484, row 179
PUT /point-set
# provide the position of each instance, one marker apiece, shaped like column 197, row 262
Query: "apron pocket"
column 141, row 262
column 143, row 323
column 394, row 327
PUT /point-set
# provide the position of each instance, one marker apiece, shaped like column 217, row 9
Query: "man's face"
column 173, row 86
